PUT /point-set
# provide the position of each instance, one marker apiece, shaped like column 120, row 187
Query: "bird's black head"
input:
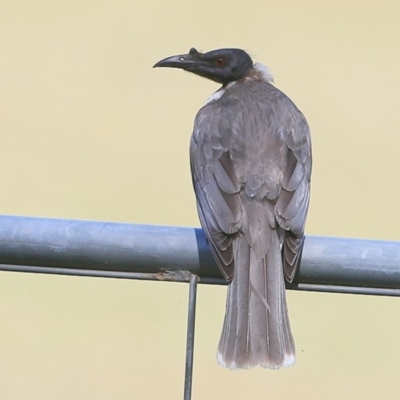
column 222, row 66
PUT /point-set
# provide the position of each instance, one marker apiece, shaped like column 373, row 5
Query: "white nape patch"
column 216, row 95
column 264, row 71
column 220, row 92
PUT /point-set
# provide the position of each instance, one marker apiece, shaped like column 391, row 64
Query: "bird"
column 251, row 161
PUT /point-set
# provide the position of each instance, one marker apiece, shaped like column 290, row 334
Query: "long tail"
column 256, row 328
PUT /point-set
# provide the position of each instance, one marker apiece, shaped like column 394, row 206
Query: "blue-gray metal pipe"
column 164, row 253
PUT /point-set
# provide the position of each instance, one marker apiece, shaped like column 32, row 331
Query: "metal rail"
column 104, row 249
column 114, row 250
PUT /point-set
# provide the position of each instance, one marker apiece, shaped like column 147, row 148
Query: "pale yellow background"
column 88, row 130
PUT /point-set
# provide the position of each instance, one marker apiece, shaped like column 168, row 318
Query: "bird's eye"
column 220, row 62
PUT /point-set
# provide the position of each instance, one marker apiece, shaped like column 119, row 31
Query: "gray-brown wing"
column 292, row 205
column 217, row 193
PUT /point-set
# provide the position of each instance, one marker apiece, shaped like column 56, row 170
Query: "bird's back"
column 250, row 142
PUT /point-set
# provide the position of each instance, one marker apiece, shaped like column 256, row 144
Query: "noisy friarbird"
column 250, row 156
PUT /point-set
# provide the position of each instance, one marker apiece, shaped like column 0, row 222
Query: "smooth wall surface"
column 88, row 130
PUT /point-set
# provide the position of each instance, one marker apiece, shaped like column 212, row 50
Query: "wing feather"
column 251, row 172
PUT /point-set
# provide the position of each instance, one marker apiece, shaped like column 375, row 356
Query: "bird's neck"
column 259, row 72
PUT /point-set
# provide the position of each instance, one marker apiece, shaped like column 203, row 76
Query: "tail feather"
column 256, row 328
column 233, row 347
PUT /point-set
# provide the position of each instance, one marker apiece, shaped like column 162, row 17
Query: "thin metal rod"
column 115, row 250
column 344, row 289
column 190, row 337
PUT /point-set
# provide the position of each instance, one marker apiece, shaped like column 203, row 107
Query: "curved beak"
column 183, row 61
column 193, row 62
